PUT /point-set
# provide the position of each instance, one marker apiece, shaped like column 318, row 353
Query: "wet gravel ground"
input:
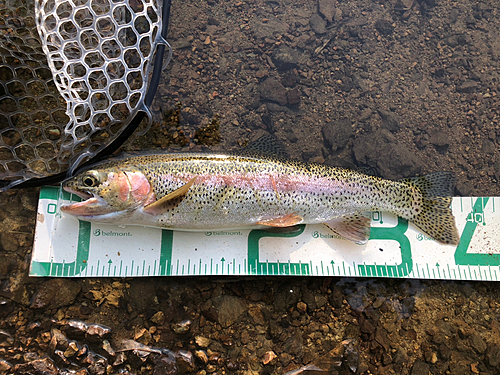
column 250, row 326
column 397, row 87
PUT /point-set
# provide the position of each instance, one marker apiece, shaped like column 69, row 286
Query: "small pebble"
column 302, row 307
column 269, row 356
column 202, row 341
column 202, row 356
column 182, row 327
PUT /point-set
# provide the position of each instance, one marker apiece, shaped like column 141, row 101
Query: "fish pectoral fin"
column 166, row 203
column 354, row 227
column 287, row 220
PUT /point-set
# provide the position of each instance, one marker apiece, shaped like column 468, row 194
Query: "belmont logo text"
column 317, row 234
column 111, row 233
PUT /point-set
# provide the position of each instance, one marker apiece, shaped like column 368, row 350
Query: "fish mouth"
column 91, row 205
column 81, row 193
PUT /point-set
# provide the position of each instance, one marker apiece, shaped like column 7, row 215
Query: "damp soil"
column 397, row 87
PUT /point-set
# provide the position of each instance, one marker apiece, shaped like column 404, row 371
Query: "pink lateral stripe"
column 265, row 182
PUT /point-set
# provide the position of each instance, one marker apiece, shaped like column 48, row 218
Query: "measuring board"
column 67, row 247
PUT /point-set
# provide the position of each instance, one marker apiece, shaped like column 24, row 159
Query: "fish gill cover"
column 72, row 79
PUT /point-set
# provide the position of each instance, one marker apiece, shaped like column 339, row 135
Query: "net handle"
column 160, row 53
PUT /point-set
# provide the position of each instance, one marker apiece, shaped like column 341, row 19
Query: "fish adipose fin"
column 431, row 206
column 283, row 221
column 166, row 203
column 354, row 228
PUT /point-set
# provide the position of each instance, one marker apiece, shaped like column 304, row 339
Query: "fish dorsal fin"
column 267, row 145
column 354, row 227
column 165, row 203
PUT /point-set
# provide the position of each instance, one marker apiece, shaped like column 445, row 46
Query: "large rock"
column 390, row 120
column 270, row 29
column 55, row 293
column 384, row 152
column 493, row 356
column 440, row 139
column 229, row 310
column 285, row 58
column 384, row 27
column 468, row 87
column 39, row 366
column 318, row 24
column 274, row 91
column 337, row 133
column 327, row 9
column 420, row 368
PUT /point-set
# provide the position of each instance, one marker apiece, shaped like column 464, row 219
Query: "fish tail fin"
column 431, row 200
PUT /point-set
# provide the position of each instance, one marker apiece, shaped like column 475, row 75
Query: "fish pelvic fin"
column 354, row 227
column 282, row 221
column 170, row 200
column 431, row 200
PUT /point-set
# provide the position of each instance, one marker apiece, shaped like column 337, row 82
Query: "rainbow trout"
column 210, row 191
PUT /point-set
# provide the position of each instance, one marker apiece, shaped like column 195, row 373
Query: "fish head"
column 108, row 192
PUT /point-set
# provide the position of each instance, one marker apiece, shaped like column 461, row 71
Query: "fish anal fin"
column 287, row 220
column 170, row 200
column 354, row 227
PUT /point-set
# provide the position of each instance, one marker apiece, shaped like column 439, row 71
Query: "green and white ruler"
column 65, row 246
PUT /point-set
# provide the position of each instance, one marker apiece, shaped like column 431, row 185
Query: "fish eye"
column 90, row 179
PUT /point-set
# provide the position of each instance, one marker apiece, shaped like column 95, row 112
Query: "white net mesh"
column 32, row 113
column 67, row 91
column 98, row 52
